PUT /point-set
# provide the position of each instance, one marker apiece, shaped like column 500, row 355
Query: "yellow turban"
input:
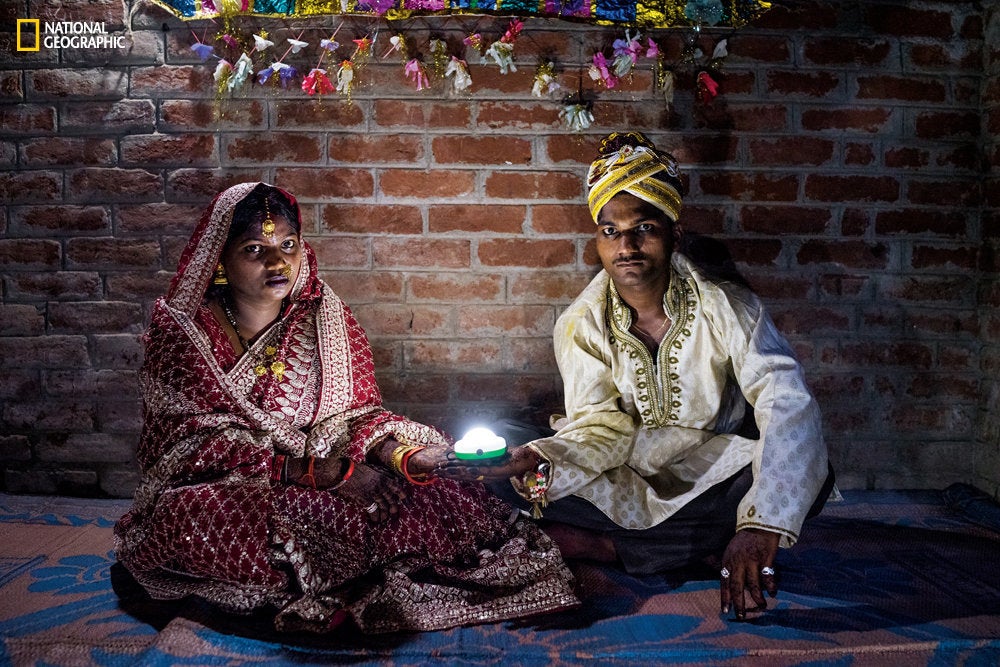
column 627, row 162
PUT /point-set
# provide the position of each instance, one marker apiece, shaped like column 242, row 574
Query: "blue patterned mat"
column 881, row 578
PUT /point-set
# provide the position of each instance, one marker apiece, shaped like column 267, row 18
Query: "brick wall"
column 842, row 165
column 988, row 468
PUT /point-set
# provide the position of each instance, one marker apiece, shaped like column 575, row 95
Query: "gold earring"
column 219, row 277
column 267, row 227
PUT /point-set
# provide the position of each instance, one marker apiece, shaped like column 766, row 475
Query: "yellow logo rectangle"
column 37, row 31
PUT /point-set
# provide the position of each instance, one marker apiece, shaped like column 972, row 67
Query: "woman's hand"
column 378, row 492
column 516, row 463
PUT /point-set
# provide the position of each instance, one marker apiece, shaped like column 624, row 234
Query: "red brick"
column 871, row 120
column 396, row 113
column 859, row 154
column 779, row 220
column 180, row 150
column 381, row 320
column 341, row 251
column 94, row 317
column 372, row 219
column 524, row 116
column 947, row 124
column 851, row 254
column 320, row 114
column 922, row 221
column 488, row 79
column 430, row 388
column 516, row 388
column 103, row 252
column 811, row 84
column 763, row 48
column 476, row 218
column 799, row 16
column 157, row 218
column 505, row 320
column 851, row 188
column 97, row 117
column 967, row 157
column 743, row 118
column 779, row 285
column 325, row 183
column 50, row 284
column 268, row 148
column 420, row 252
column 61, row 220
column 860, row 53
column 904, row 21
column 704, row 149
column 950, row 325
column 530, row 354
column 845, row 285
column 426, row 183
column 50, row 415
column 561, row 219
column 10, row 86
column 53, row 151
column 367, row 287
column 750, row 252
column 910, row 89
column 936, row 56
column 906, row 157
column 944, row 193
column 811, row 320
column 103, row 185
column 453, row 355
column 869, row 354
column 27, row 119
column 954, row 290
column 758, row 187
column 67, row 83
column 103, row 11
column 455, row 287
column 21, row 320
column 548, row 185
column 201, row 185
column 186, row 115
column 171, row 79
column 573, row 148
column 30, row 186
column 46, row 351
column 117, row 351
column 481, row 150
column 135, row 285
column 703, row 219
column 374, row 149
column 526, row 252
column 790, row 150
column 29, row 254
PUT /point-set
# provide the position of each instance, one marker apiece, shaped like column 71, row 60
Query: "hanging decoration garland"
column 639, row 13
column 232, row 75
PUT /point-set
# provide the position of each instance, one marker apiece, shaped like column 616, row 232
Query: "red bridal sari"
column 208, row 520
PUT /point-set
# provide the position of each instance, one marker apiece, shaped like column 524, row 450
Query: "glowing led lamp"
column 479, row 444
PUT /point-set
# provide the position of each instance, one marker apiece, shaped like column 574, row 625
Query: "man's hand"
column 515, row 464
column 379, row 493
column 748, row 565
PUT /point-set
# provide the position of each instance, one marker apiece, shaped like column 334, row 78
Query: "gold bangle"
column 397, row 458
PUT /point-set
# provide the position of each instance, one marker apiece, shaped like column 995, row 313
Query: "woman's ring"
column 724, row 573
column 767, row 571
column 371, row 509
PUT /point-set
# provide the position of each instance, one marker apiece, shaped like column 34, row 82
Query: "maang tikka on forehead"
column 267, row 227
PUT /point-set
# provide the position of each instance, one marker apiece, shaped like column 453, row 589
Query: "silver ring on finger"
column 724, row 573
column 767, row 571
column 371, row 509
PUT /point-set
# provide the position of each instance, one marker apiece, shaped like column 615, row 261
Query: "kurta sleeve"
column 598, row 434
column 790, row 459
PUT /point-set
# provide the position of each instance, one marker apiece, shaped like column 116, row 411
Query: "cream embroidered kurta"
column 642, row 436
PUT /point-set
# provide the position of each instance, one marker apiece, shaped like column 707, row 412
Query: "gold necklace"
column 270, row 360
column 656, row 335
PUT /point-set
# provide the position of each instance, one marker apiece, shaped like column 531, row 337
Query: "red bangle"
column 309, row 478
column 277, row 467
column 347, row 476
column 406, row 470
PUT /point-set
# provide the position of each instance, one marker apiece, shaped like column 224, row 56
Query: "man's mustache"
column 634, row 257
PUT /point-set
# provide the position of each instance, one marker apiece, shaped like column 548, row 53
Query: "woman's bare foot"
column 577, row 543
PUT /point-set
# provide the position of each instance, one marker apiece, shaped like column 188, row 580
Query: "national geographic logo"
column 34, row 35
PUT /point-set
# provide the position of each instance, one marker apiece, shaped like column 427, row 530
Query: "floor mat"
column 881, row 578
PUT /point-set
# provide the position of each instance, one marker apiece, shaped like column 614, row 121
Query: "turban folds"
column 628, row 163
